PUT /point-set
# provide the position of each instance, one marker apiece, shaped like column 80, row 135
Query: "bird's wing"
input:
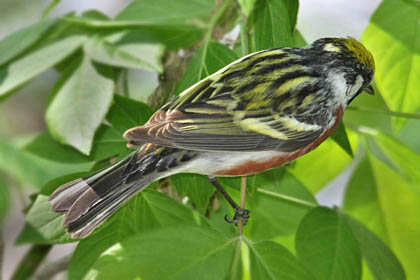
column 260, row 102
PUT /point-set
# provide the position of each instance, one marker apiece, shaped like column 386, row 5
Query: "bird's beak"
column 369, row 89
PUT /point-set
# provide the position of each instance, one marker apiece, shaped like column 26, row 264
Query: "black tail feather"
column 89, row 201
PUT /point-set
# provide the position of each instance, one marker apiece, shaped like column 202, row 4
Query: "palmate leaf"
column 197, row 187
column 80, row 101
column 182, row 252
column 382, row 263
column 326, row 245
column 127, row 54
column 388, row 205
column 108, row 141
column 146, row 211
column 42, row 225
column 273, row 24
column 31, row 170
column 184, row 14
column 15, row 43
column 22, row 70
column 271, row 261
column 277, row 205
column 393, row 36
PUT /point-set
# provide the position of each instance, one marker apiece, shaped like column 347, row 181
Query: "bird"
column 261, row 111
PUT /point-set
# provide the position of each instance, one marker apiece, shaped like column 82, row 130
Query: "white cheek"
column 356, row 87
column 339, row 85
column 344, row 92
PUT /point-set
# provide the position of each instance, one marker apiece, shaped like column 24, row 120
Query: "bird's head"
column 351, row 58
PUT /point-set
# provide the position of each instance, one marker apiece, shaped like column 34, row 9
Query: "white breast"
column 214, row 162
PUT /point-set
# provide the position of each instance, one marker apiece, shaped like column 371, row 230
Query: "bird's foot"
column 240, row 215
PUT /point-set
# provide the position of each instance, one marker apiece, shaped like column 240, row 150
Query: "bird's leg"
column 240, row 213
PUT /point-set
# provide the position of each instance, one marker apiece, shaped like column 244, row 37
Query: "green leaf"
column 32, row 170
column 274, row 23
column 147, row 211
column 270, row 260
column 209, row 59
column 361, row 199
column 393, row 35
column 168, row 253
column 182, row 12
column 275, row 207
column 326, row 245
column 42, row 225
column 130, row 55
column 405, row 159
column 398, row 204
column 155, row 36
column 124, row 114
column 197, row 187
column 298, row 40
column 27, row 67
column 247, row 6
column 45, row 146
column 317, row 168
column 81, row 99
column 383, row 264
column 16, row 43
column 340, row 137
column 4, row 199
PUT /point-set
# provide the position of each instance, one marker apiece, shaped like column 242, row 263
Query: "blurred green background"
column 22, row 115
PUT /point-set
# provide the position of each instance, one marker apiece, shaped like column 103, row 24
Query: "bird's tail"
column 89, row 201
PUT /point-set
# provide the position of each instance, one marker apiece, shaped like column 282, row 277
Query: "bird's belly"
column 237, row 163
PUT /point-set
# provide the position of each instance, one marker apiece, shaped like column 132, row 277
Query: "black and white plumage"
column 259, row 112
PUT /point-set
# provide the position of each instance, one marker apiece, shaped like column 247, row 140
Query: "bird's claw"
column 240, row 215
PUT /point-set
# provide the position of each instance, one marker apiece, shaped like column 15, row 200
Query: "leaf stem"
column 30, row 262
column 243, row 200
column 390, row 113
column 50, row 8
column 288, row 198
column 213, row 21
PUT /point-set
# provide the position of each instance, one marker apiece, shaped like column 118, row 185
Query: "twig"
column 243, row 198
column 49, row 270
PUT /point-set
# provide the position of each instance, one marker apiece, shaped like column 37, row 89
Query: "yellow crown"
column 360, row 52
